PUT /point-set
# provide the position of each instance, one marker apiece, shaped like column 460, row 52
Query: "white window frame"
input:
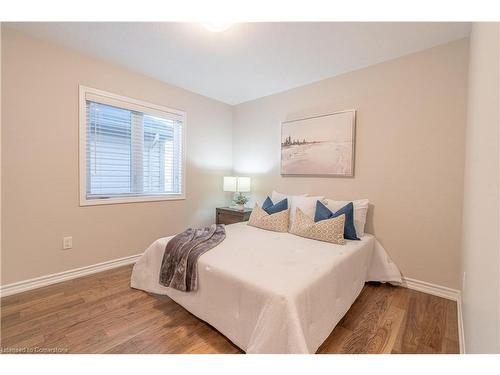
column 128, row 103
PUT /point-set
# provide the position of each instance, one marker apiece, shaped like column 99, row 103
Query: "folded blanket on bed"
column 178, row 267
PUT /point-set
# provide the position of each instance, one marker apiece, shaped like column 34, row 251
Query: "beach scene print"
column 318, row 146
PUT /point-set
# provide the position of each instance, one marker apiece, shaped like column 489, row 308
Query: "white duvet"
column 271, row 292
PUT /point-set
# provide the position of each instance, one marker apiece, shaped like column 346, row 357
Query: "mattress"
column 271, row 292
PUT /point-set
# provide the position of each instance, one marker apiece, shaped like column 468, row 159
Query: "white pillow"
column 276, row 196
column 305, row 203
column 360, row 211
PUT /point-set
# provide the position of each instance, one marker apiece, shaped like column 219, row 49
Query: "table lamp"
column 238, row 185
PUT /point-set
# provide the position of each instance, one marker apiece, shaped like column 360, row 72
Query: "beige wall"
column 409, row 152
column 481, row 224
column 40, row 162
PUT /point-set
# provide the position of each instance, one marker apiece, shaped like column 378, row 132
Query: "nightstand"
column 228, row 215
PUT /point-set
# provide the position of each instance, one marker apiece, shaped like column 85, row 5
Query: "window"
column 130, row 151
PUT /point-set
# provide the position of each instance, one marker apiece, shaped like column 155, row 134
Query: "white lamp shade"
column 243, row 184
column 230, row 184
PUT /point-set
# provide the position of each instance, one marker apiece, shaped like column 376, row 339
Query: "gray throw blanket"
column 178, row 267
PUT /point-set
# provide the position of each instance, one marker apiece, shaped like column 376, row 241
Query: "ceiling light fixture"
column 216, row 27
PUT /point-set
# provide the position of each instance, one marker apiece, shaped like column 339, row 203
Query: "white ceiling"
column 249, row 60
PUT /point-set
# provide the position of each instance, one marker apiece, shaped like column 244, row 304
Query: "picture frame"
column 322, row 145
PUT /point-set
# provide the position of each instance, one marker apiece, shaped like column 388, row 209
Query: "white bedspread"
column 272, row 292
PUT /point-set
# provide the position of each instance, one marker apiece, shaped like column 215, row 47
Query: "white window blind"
column 132, row 149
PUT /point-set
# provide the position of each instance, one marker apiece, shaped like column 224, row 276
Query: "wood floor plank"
column 100, row 313
column 333, row 344
column 409, row 339
column 385, row 337
column 451, row 344
column 72, row 315
column 367, row 322
column 368, row 295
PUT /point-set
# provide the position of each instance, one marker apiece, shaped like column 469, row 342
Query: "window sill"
column 102, row 201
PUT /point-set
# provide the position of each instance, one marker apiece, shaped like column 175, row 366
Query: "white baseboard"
column 444, row 292
column 38, row 282
column 429, row 288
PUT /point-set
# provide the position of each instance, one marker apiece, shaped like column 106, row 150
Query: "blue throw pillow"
column 322, row 213
column 271, row 208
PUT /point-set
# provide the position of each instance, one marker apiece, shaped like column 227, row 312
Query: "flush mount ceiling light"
column 216, row 27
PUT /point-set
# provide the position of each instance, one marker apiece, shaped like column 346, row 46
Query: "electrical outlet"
column 67, row 243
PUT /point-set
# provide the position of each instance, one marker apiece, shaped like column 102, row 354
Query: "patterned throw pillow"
column 322, row 213
column 328, row 230
column 277, row 222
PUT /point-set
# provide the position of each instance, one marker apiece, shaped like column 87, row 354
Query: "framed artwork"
column 321, row 145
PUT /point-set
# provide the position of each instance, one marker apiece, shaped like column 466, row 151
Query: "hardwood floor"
column 102, row 314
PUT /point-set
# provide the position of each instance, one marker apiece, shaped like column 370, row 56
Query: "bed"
column 272, row 292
